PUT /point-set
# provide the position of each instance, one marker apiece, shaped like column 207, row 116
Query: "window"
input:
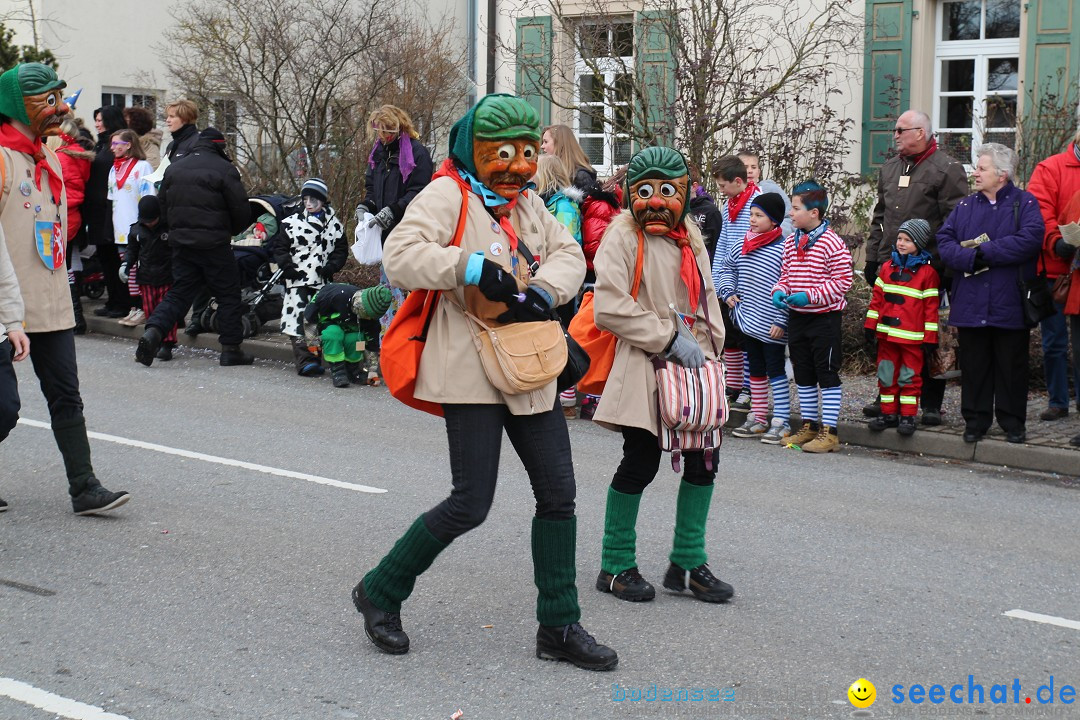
column 604, row 92
column 225, row 116
column 131, row 98
column 977, row 75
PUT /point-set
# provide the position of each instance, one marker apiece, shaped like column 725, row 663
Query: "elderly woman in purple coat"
column 991, row 242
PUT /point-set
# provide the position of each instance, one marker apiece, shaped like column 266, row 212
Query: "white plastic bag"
column 368, row 246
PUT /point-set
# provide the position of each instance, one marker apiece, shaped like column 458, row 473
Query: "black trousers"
column 994, row 377
column 110, row 257
column 53, row 356
column 9, row 390
column 474, row 434
column 814, row 345
column 214, row 268
column 641, row 462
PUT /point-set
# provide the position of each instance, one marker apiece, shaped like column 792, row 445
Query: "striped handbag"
column 693, row 404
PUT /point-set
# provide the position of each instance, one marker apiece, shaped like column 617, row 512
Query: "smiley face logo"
column 862, row 693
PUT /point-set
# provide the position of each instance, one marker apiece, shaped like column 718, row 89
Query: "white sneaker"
column 137, row 317
column 126, row 320
column 778, row 431
column 750, row 428
column 743, row 401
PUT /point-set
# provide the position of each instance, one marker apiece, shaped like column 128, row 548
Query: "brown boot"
column 826, row 441
column 808, row 432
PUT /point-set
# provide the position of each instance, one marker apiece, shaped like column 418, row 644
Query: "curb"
column 938, row 444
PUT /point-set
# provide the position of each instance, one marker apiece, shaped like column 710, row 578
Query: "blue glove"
column 799, row 299
column 778, row 299
column 685, row 352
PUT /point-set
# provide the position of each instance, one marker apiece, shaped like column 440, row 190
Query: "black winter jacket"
column 203, row 199
column 149, row 246
column 383, row 186
column 709, row 220
column 96, row 208
column 182, row 143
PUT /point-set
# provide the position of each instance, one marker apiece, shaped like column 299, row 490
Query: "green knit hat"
column 494, row 117
column 658, row 162
column 22, row 80
column 371, row 303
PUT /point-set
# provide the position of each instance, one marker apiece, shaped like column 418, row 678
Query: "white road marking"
column 47, row 701
column 1048, row 619
column 219, row 460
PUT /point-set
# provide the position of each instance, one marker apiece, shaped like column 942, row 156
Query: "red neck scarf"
column 688, row 269
column 122, row 172
column 930, row 150
column 11, row 138
column 754, row 240
column 501, row 213
column 737, row 203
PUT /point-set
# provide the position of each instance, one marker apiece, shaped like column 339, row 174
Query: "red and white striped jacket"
column 822, row 271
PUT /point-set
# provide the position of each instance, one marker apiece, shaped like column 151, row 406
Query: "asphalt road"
column 221, row 591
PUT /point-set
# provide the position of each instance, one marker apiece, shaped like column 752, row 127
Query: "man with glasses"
column 920, row 181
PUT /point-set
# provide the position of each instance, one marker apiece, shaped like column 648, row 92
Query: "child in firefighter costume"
column 675, row 261
column 33, row 215
column 493, row 152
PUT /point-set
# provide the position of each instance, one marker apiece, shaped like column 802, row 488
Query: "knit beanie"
column 149, row 208
column 217, row 141
column 22, row 80
column 772, row 204
column 813, row 196
column 494, row 117
column 315, row 187
column 371, row 303
column 918, row 230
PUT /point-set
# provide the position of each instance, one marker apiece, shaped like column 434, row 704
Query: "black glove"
column 929, row 348
column 870, row 336
column 1064, row 250
column 980, row 262
column 533, row 308
column 291, row 272
column 870, row 269
column 497, row 284
column 326, row 274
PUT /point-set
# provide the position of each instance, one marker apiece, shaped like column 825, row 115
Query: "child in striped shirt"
column 814, row 277
column 747, row 274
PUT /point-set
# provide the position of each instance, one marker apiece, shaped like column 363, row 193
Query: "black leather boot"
column 382, row 628
column 76, row 305
column 883, row 421
column 573, row 644
column 233, row 355
column 165, row 353
column 149, row 344
column 340, row 374
column 700, row 581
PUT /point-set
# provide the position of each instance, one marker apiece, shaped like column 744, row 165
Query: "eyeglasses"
column 901, row 131
column 119, row 143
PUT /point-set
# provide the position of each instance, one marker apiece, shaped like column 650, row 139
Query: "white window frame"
column 129, row 95
column 608, row 68
column 982, row 52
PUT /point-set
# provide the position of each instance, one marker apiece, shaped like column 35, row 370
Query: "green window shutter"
column 886, row 76
column 533, row 81
column 1052, row 50
column 654, row 66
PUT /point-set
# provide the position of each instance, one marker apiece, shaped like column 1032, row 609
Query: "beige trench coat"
column 416, row 257
column 644, row 327
column 45, row 292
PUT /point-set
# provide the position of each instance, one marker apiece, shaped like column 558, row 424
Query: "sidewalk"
column 1046, row 450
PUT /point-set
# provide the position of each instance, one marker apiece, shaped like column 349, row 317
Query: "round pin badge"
column 26, row 205
column 496, row 249
column 25, row 189
column 495, row 226
column 37, row 208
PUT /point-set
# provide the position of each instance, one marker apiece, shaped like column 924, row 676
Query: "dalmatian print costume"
column 314, row 243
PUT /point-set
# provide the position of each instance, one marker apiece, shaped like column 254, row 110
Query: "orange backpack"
column 404, row 341
column 600, row 344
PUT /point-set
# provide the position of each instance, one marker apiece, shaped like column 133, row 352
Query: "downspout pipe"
column 491, row 45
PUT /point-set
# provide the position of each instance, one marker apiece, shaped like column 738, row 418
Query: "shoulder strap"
column 3, row 180
column 459, row 231
column 639, row 264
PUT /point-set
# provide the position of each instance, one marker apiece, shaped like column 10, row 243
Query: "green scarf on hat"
column 494, row 117
column 658, row 162
column 22, row 80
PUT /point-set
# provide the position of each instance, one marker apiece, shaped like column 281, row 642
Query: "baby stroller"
column 260, row 284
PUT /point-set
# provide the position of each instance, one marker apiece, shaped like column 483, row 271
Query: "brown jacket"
column 644, row 327
column 45, row 292
column 934, row 187
column 416, row 257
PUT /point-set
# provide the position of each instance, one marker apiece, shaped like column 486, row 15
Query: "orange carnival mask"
column 657, row 181
column 505, row 166
column 30, row 93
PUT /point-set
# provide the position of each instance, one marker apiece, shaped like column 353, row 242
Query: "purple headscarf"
column 406, row 163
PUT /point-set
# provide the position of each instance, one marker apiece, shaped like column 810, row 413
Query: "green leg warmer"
column 392, row 581
column 554, row 546
column 620, row 534
column 333, row 346
column 353, row 355
column 691, row 511
column 75, row 449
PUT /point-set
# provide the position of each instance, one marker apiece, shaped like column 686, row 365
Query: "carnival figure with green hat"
column 33, row 216
column 511, row 263
column 670, row 317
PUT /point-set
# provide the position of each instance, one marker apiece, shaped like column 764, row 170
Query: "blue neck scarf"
column 911, row 262
column 810, row 237
column 489, row 196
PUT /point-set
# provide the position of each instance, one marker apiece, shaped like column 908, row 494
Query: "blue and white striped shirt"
column 752, row 277
column 731, row 235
